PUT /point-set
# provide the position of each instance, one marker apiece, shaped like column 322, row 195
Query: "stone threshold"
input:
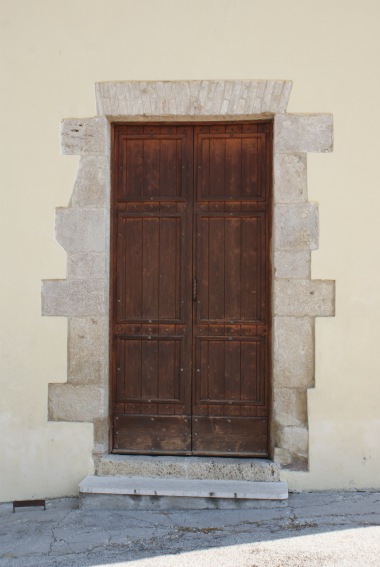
column 190, row 468
column 175, row 493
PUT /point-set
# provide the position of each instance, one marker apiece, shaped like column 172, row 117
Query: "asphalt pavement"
column 324, row 529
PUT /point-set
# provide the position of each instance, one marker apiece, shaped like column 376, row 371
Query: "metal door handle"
column 194, row 289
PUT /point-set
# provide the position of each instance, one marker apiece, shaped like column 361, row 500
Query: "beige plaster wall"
column 51, row 54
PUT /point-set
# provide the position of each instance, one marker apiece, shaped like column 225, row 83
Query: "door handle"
column 195, row 289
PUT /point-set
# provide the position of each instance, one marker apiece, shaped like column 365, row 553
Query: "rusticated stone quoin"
column 78, row 230
column 296, row 227
column 303, row 133
column 299, row 298
column 85, row 137
column 290, row 174
column 83, row 230
column 73, row 298
column 74, row 402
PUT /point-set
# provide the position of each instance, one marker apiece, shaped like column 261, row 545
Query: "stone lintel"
column 78, row 230
column 296, row 226
column 74, row 298
column 299, row 298
column 191, row 98
column 72, row 402
column 86, row 136
column 300, row 133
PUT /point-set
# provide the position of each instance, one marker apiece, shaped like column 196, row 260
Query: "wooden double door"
column 190, row 288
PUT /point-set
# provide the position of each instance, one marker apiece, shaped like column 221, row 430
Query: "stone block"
column 290, row 406
column 233, row 469
column 87, row 136
column 302, row 133
column 71, row 402
column 295, row 439
column 282, row 456
column 296, row 227
column 292, row 264
column 81, row 229
column 87, row 265
column 100, row 436
column 191, row 98
column 299, row 298
column 290, row 178
column 87, row 350
column 91, row 187
column 293, row 348
column 75, row 298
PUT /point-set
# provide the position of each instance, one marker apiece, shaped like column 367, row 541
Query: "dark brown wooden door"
column 190, row 288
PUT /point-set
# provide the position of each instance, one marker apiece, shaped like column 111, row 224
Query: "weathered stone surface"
column 87, row 136
column 233, row 469
column 81, row 229
column 298, row 298
column 290, row 406
column 191, row 98
column 292, row 264
column 189, row 467
column 100, row 436
column 293, row 353
column 87, row 265
column 301, row 133
column 290, row 178
column 88, row 350
column 69, row 402
column 74, row 298
column 282, row 456
column 295, row 439
column 91, row 187
column 296, row 227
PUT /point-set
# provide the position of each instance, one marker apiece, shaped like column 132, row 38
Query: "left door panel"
column 151, row 263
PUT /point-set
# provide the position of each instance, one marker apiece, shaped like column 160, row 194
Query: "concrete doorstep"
column 177, row 493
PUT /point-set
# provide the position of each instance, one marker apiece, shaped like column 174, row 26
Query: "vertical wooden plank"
column 249, row 168
column 169, row 263
column 203, row 173
column 150, row 268
column 217, row 166
column 232, row 369
column 233, row 168
column 232, row 268
column 133, row 169
column 130, row 262
column 167, row 372
column 132, row 368
column 151, row 168
column 202, row 272
column 248, row 387
column 216, row 366
column 249, row 257
column 168, row 170
column 149, row 369
column 216, row 267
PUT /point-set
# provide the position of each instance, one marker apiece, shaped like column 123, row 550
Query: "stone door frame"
column 82, row 229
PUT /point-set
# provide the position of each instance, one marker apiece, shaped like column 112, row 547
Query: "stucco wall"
column 52, row 54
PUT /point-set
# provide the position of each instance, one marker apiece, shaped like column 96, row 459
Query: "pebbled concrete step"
column 173, row 493
column 259, row 470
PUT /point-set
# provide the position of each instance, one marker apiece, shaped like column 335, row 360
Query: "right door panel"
column 232, row 289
